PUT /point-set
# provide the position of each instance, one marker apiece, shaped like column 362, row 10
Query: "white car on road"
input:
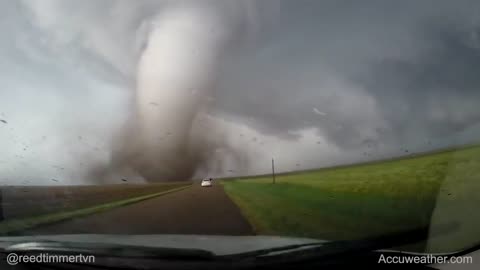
column 207, row 182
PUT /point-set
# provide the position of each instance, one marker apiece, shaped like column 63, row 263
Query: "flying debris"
column 315, row 110
column 3, row 121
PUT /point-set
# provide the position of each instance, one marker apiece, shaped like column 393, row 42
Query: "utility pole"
column 273, row 171
column 1, row 205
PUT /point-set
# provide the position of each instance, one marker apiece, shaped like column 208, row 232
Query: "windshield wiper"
column 337, row 251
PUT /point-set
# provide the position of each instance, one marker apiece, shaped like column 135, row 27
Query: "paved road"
column 195, row 210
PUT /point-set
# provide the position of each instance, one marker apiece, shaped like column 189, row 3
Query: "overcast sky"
column 311, row 83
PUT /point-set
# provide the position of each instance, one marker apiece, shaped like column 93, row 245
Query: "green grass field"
column 370, row 199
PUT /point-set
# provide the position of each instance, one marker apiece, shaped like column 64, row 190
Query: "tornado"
column 175, row 80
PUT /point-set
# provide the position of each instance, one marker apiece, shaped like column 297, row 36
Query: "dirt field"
column 20, row 202
column 195, row 210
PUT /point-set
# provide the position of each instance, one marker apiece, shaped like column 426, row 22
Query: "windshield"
column 314, row 120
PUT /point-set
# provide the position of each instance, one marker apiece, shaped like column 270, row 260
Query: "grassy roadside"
column 369, row 199
column 19, row 202
column 18, row 225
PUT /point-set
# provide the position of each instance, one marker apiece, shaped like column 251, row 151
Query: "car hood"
column 219, row 245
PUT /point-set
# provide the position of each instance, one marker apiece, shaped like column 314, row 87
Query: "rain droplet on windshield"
column 3, row 121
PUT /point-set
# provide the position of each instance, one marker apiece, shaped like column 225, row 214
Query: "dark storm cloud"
column 389, row 71
column 439, row 91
